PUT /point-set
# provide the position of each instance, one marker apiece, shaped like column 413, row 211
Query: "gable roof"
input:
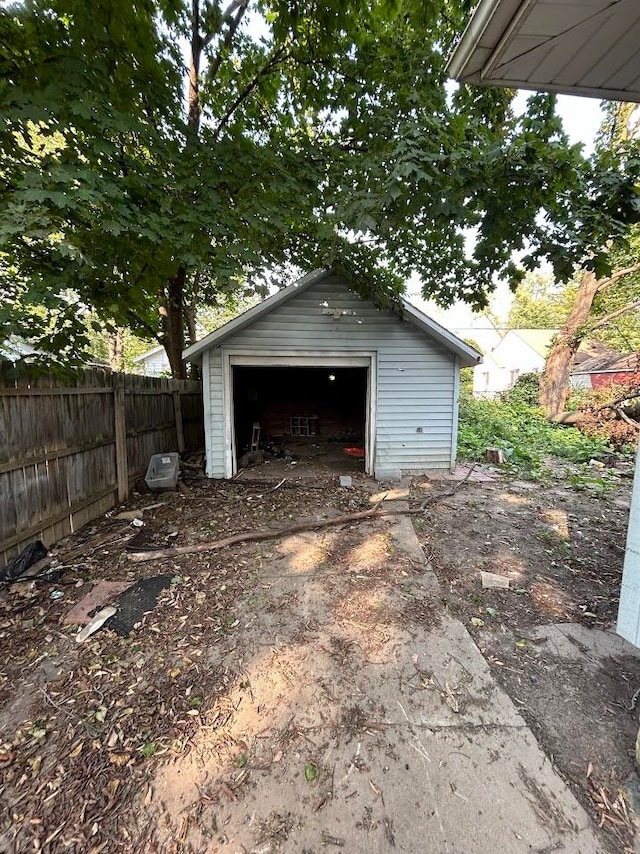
column 579, row 47
column 590, row 349
column 148, row 353
column 538, row 339
column 468, row 355
column 487, row 338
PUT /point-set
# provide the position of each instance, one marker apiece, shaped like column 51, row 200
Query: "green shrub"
column 521, row 431
column 524, row 392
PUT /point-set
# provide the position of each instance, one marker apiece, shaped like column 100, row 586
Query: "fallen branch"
column 253, row 536
column 456, row 486
column 632, row 394
column 298, row 527
column 623, row 415
column 568, row 419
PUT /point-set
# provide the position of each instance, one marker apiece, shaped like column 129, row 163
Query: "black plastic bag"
column 28, row 556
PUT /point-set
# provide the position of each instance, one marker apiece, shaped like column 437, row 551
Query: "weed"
column 310, row 772
column 596, row 485
column 148, row 749
column 523, row 433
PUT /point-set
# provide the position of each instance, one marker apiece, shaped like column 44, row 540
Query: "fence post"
column 177, row 409
column 119, row 412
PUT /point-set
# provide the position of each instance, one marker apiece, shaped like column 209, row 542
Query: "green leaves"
column 310, row 772
column 521, row 431
column 328, row 136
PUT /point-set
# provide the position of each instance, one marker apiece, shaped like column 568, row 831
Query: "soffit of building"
column 578, row 47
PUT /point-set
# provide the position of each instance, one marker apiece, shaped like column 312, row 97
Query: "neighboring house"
column 605, row 370
column 153, row 363
column 524, row 351
column 484, row 339
column 517, row 352
column 13, row 349
column 316, row 360
column 579, row 49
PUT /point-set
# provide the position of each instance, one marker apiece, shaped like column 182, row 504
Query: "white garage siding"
column 416, row 377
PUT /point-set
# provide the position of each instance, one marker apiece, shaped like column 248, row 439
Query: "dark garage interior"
column 303, row 412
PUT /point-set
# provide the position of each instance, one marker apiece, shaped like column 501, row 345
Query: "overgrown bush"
column 522, row 432
column 466, row 379
column 524, row 392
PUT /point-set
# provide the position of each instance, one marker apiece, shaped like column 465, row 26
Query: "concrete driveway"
column 360, row 716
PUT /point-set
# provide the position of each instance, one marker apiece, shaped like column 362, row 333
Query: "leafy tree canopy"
column 540, row 303
column 313, row 134
column 615, row 314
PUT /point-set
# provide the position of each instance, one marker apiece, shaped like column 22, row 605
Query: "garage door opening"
column 314, row 416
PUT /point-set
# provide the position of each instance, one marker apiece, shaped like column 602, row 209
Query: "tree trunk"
column 173, row 323
column 173, row 312
column 116, row 350
column 190, row 310
column 554, row 384
column 193, row 97
column 176, row 311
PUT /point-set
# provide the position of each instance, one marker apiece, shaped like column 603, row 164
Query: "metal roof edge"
column 482, row 15
column 554, row 88
column 250, row 315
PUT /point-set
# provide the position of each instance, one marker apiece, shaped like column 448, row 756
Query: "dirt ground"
column 561, row 544
column 98, row 739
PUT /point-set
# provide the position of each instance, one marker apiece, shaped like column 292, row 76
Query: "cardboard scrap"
column 102, row 593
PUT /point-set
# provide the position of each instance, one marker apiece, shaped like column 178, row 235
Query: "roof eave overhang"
column 458, row 62
column 477, row 57
column 214, row 339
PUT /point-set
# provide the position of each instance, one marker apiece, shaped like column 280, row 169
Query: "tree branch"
column 623, row 415
column 609, row 317
column 278, row 56
column 137, row 321
column 631, row 395
column 231, row 8
column 243, row 5
column 253, row 536
column 626, row 271
column 194, row 68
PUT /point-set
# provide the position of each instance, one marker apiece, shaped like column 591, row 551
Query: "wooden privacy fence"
column 71, row 447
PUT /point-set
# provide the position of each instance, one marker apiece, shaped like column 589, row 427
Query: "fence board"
column 59, row 445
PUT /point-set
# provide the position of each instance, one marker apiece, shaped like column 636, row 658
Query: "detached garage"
column 317, row 364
